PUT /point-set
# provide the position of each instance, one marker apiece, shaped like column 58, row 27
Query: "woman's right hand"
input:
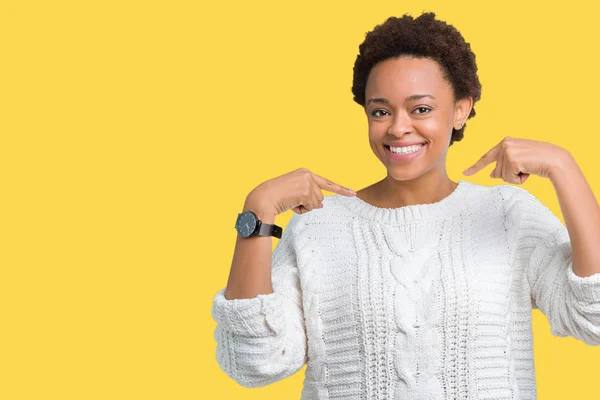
column 298, row 190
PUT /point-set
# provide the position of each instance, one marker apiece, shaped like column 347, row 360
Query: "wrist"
column 264, row 213
column 564, row 162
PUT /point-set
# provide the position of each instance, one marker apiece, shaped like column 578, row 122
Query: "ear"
column 462, row 109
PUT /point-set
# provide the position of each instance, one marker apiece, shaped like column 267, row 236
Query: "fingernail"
column 351, row 191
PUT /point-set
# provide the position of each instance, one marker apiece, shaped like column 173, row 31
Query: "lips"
column 387, row 147
column 404, row 144
column 403, row 157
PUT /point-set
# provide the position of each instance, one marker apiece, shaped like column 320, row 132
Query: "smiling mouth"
column 406, row 149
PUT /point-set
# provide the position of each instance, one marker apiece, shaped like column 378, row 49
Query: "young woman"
column 415, row 287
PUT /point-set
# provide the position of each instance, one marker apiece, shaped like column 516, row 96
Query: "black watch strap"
column 269, row 230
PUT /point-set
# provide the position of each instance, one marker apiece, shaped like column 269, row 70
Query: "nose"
column 401, row 124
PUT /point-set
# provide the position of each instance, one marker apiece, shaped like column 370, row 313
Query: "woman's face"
column 409, row 102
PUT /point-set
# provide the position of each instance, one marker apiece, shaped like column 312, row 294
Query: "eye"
column 374, row 113
column 422, row 110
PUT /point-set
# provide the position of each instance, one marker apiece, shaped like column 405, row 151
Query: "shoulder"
column 522, row 208
column 504, row 200
column 511, row 193
column 316, row 227
column 332, row 212
column 502, row 194
column 484, row 199
column 515, row 199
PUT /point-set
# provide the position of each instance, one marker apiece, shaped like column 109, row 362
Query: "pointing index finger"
column 328, row 185
column 485, row 160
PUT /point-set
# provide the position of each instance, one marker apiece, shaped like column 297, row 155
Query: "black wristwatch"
column 248, row 225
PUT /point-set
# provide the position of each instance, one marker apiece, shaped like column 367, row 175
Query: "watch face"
column 246, row 223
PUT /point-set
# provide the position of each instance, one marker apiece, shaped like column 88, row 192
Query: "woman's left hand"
column 517, row 158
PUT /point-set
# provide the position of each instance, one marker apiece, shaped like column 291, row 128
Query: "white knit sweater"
column 429, row 301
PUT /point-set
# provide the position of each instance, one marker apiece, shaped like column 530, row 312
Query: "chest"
column 410, row 278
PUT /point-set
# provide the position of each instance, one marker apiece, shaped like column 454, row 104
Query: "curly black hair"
column 421, row 37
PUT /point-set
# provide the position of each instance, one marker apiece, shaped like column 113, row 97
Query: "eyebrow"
column 409, row 98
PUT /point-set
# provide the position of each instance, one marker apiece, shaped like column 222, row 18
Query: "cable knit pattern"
column 429, row 301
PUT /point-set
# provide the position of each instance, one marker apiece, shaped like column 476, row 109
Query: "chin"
column 406, row 175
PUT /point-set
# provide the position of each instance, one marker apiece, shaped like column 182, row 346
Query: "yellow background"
column 131, row 132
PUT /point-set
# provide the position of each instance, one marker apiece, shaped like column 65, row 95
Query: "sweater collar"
column 444, row 208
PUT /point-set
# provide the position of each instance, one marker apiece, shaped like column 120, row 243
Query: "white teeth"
column 406, row 150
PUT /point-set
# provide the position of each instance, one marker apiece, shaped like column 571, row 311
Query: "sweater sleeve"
column 263, row 339
column 543, row 248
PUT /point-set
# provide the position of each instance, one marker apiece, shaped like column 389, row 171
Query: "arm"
column 542, row 247
column 260, row 331
column 581, row 213
column 250, row 273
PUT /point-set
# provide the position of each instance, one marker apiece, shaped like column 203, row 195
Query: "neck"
column 393, row 193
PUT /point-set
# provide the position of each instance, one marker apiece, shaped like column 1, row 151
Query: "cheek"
column 372, row 127
column 437, row 129
column 375, row 139
column 373, row 143
column 431, row 126
column 376, row 132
